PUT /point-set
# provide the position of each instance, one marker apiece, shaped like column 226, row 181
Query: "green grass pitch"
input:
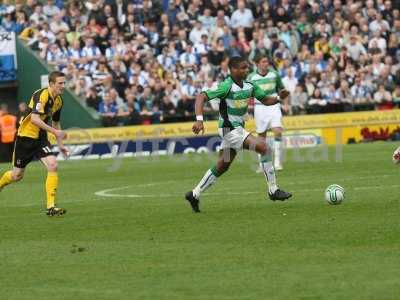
column 129, row 234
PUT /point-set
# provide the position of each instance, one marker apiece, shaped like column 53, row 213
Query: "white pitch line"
column 108, row 193
column 223, row 192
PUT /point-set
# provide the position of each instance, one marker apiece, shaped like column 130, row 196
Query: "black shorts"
column 26, row 149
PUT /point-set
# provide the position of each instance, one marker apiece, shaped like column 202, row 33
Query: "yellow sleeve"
column 38, row 102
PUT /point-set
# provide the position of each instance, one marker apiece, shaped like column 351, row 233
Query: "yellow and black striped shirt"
column 41, row 103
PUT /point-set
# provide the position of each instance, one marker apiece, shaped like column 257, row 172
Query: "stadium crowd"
column 143, row 61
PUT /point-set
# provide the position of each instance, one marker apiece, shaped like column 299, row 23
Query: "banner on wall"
column 325, row 122
column 334, row 120
column 8, row 57
column 361, row 134
column 178, row 145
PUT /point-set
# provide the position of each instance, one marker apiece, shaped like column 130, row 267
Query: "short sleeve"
column 221, row 91
column 39, row 100
column 258, row 92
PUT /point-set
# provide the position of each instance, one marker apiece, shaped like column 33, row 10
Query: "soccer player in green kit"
column 234, row 94
column 269, row 117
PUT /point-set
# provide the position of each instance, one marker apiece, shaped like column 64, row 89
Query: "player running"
column 234, row 94
column 32, row 141
column 269, row 117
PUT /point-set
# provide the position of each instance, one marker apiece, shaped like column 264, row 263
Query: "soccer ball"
column 396, row 156
column 334, row 194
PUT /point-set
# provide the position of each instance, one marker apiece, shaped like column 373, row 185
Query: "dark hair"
column 54, row 75
column 259, row 56
column 235, row 61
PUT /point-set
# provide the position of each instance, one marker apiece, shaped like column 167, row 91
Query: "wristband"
column 199, row 118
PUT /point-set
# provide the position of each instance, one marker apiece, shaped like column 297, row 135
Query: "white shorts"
column 233, row 139
column 267, row 117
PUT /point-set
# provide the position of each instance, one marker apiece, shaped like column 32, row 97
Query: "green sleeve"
column 250, row 77
column 220, row 92
column 258, row 92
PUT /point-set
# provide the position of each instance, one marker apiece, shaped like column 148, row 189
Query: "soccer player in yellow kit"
column 32, row 142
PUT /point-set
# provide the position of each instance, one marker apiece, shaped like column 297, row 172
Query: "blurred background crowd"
column 143, row 62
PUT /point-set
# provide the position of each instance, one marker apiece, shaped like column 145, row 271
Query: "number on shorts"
column 46, row 149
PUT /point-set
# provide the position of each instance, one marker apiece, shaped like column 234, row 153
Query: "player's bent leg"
column 225, row 158
column 277, row 148
column 16, row 174
column 260, row 146
column 262, row 136
column 51, row 186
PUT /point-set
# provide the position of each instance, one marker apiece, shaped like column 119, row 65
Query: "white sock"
column 269, row 173
column 277, row 152
column 259, row 160
column 208, row 179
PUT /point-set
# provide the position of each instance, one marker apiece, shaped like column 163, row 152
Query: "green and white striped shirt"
column 271, row 83
column 234, row 101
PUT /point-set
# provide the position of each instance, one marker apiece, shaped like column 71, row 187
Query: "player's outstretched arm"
column 284, row 95
column 198, row 109
column 63, row 149
column 261, row 96
column 35, row 118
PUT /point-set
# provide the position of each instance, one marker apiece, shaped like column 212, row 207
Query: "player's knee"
column 52, row 166
column 17, row 176
column 262, row 148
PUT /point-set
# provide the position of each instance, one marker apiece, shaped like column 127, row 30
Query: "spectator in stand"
column 203, row 46
column 243, row 17
column 91, row 53
column 325, row 43
column 92, row 98
column 57, row 25
column 241, row 45
column 343, row 96
column 282, row 54
column 383, row 98
column 377, row 42
column 29, row 7
column 196, row 33
column 361, row 95
column 298, row 100
column 355, row 48
column 8, row 24
column 316, row 104
column 289, row 81
column 108, row 110
column 168, row 109
column 188, row 59
column 207, row 20
column 379, row 24
column 217, row 53
column 50, row 9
